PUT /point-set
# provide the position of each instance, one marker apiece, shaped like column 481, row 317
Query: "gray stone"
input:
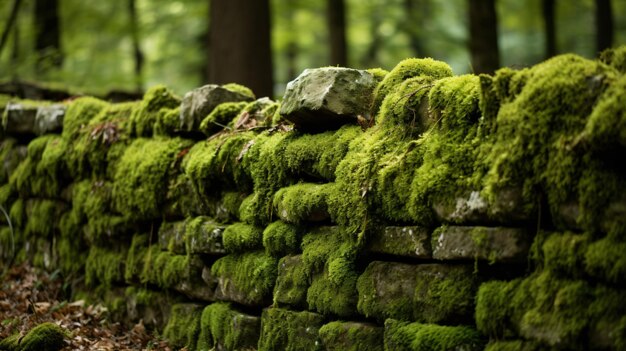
column 49, row 119
column 193, row 283
column 471, row 208
column 198, row 103
column 340, row 336
column 410, row 241
column 291, row 283
column 495, row 244
column 152, row 307
column 289, row 330
column 204, row 236
column 19, row 118
column 236, row 330
column 172, row 237
column 327, row 98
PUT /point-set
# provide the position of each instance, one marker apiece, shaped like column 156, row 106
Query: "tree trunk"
column 239, row 38
column 412, row 23
column 371, row 55
column 550, row 27
column 137, row 53
column 336, row 15
column 47, row 35
column 483, row 41
column 604, row 25
column 10, row 23
column 292, row 45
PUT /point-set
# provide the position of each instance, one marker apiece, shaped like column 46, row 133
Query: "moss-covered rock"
column 204, row 236
column 44, row 337
column 245, row 278
column 292, row 282
column 157, row 100
column 281, row 238
column 198, row 103
column 183, row 326
column 225, row 328
column 409, row 241
column 241, row 237
column 104, row 266
column 421, row 337
column 221, row 116
column 351, row 336
column 289, row 330
column 303, row 202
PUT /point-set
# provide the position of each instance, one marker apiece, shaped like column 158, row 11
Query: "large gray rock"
column 471, row 207
column 198, row 103
column 19, row 118
column 410, row 241
column 326, row 98
column 495, row 244
column 49, row 119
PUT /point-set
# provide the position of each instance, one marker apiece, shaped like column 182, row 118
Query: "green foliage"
column 422, row 337
column 240, row 237
column 281, row 238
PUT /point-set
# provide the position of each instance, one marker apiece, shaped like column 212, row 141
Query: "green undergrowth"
column 157, row 101
column 251, row 273
column 430, row 337
column 346, row 336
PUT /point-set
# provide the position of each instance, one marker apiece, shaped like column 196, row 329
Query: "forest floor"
column 29, row 297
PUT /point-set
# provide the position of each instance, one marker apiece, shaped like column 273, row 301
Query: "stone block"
column 292, row 282
column 246, row 278
column 172, row 237
column 351, row 336
column 49, row 119
column 204, row 236
column 225, row 328
column 326, row 98
column 495, row 244
column 194, row 283
column 183, row 326
column 410, row 241
column 198, row 103
column 19, row 118
column 289, row 330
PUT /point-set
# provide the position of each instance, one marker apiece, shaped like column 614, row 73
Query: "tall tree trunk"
column 15, row 9
column 137, row 53
column 483, row 41
column 550, row 27
column 416, row 12
column 15, row 54
column 336, row 15
column 240, row 44
column 47, row 35
column 604, row 25
column 292, row 44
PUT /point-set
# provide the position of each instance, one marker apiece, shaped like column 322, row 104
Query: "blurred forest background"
column 95, row 47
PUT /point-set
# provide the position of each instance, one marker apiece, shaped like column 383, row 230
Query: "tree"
column 483, row 41
column 239, row 41
column 137, row 53
column 550, row 27
column 416, row 13
column 47, row 35
column 336, row 15
column 10, row 23
column 604, row 25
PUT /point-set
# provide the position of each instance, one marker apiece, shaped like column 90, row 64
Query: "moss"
column 240, row 237
column 167, row 122
column 493, row 308
column 615, row 57
column 292, row 282
column 418, row 337
column 303, row 202
column 43, row 218
column 221, row 116
column 78, row 115
column 141, row 178
column 238, row 88
column 258, row 113
column 44, row 337
column 347, row 336
column 405, row 69
column 565, row 253
column 253, row 274
column 10, row 343
column 17, row 213
column 515, row 345
column 135, row 259
column 183, row 326
column 405, row 105
column 606, row 126
column 280, row 238
column 72, row 254
column 224, row 327
column 104, row 266
column 157, row 100
column 203, row 235
column 231, row 202
column 163, row 268
column 11, row 154
column 290, row 331
column 605, row 259
column 378, row 73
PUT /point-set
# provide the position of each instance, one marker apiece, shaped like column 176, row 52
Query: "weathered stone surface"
column 344, row 336
column 289, row 330
column 411, row 241
column 49, row 119
column 291, row 283
column 431, row 293
column 198, row 103
column 495, row 244
column 172, row 237
column 19, row 118
column 204, row 236
column 471, row 208
column 326, row 98
column 194, row 283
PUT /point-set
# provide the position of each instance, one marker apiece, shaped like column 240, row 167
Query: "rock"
column 291, row 283
column 204, row 236
column 289, row 330
column 49, row 119
column 411, row 241
column 340, row 336
column 416, row 336
column 172, row 237
column 153, row 307
column 194, row 284
column 327, row 98
column 225, row 328
column 183, row 326
column 495, row 244
column 19, row 118
column 198, row 103
column 246, row 278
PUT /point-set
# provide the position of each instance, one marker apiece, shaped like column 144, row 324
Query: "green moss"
column 104, row 266
column 10, row 343
column 252, row 274
column 405, row 105
column 431, row 337
column 290, row 331
column 72, row 254
column 615, row 57
column 258, row 113
column 605, row 259
column 280, row 238
column 167, row 122
column 135, row 259
column 11, row 154
column 515, row 345
column 224, row 327
column 203, row 235
column 163, row 268
column 183, row 326
column 378, row 73
column 606, row 126
column 17, row 213
column 141, row 177
column 347, row 336
column 303, row 202
column 240, row 237
column 43, row 218
column 493, row 308
column 78, row 115
column 406, row 69
column 221, row 116
column 44, row 337
column 157, row 100
column 238, row 88
column 565, row 253
column 292, row 282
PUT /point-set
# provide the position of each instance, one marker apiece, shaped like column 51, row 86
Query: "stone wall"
column 368, row 210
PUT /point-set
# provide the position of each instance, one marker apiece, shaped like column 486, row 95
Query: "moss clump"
column 221, row 116
column 238, row 88
column 167, row 122
column 347, row 336
column 290, row 331
column 422, row 337
column 303, row 202
column 163, row 268
column 240, row 237
column 406, row 105
column 565, row 253
column 203, row 235
column 183, row 326
column 378, row 73
column 157, row 100
column 280, row 238
column 222, row 327
column 606, row 127
column 292, row 282
column 142, row 174
column 104, row 266
column 11, row 154
column 43, row 218
column 44, row 337
column 615, row 57
column 78, row 115
column 406, row 69
column 605, row 259
column 251, row 275
column 515, row 345
column 258, row 113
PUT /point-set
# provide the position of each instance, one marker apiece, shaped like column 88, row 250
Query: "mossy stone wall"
column 437, row 212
